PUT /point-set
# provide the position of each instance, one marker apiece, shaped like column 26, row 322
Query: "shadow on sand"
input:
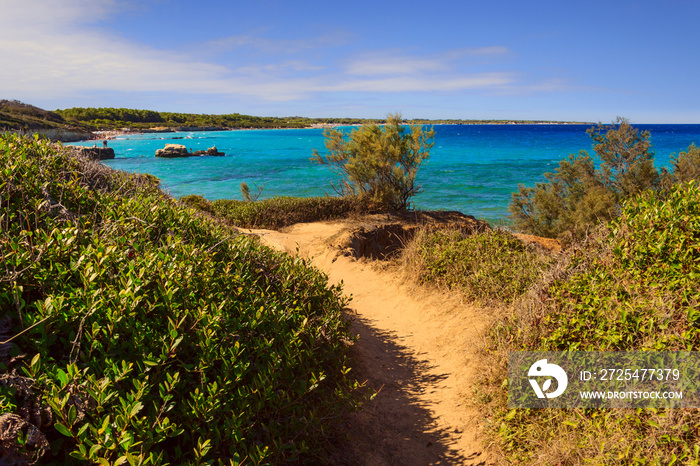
column 396, row 428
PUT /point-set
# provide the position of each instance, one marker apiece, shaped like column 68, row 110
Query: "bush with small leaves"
column 634, row 286
column 140, row 332
column 278, row 212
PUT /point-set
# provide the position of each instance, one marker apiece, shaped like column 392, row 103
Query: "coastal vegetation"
column 246, row 194
column 578, row 196
column 134, row 330
column 18, row 116
column 276, row 212
column 118, row 118
column 142, row 329
column 686, row 167
column 628, row 281
column 489, row 268
column 631, row 284
column 377, row 164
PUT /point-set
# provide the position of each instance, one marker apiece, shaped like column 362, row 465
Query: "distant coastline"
column 103, row 123
column 111, row 134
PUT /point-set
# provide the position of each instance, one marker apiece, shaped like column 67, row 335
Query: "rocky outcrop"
column 213, row 151
column 178, row 150
column 96, row 153
column 63, row 135
column 172, row 151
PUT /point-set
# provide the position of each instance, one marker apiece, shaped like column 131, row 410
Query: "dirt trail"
column 416, row 346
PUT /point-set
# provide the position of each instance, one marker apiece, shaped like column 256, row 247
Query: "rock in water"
column 213, row 151
column 173, row 150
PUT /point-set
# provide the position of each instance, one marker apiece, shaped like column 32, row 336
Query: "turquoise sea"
column 472, row 168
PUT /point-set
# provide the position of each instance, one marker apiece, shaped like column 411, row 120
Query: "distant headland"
column 80, row 123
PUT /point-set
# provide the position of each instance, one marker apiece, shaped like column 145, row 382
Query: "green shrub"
column 279, row 212
column 198, row 202
column 634, row 286
column 577, row 196
column 686, row 166
column 488, row 268
column 142, row 333
column 378, row 164
column 640, row 286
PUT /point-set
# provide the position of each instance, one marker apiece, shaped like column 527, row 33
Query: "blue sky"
column 588, row 61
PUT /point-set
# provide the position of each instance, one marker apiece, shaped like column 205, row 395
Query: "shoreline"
column 112, row 134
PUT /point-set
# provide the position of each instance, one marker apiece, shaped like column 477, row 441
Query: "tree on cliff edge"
column 378, row 164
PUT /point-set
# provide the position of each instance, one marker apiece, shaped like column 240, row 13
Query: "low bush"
column 279, row 212
column 487, row 268
column 633, row 286
column 198, row 202
column 135, row 331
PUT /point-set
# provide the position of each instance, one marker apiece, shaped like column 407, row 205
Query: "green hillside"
column 18, row 116
column 117, row 118
column 137, row 331
column 15, row 115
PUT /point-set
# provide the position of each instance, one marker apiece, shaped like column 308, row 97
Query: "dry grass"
column 487, row 268
column 641, row 265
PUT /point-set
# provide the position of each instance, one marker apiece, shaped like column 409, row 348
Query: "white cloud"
column 58, row 50
column 395, row 65
column 494, row 50
column 396, row 71
column 55, row 52
column 396, row 62
column 42, row 16
column 425, row 84
column 276, row 46
column 90, row 62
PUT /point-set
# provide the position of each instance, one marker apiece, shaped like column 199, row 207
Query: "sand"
column 417, row 348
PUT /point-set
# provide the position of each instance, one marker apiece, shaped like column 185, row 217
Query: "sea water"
column 472, row 168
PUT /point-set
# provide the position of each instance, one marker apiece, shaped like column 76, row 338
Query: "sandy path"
column 416, row 347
